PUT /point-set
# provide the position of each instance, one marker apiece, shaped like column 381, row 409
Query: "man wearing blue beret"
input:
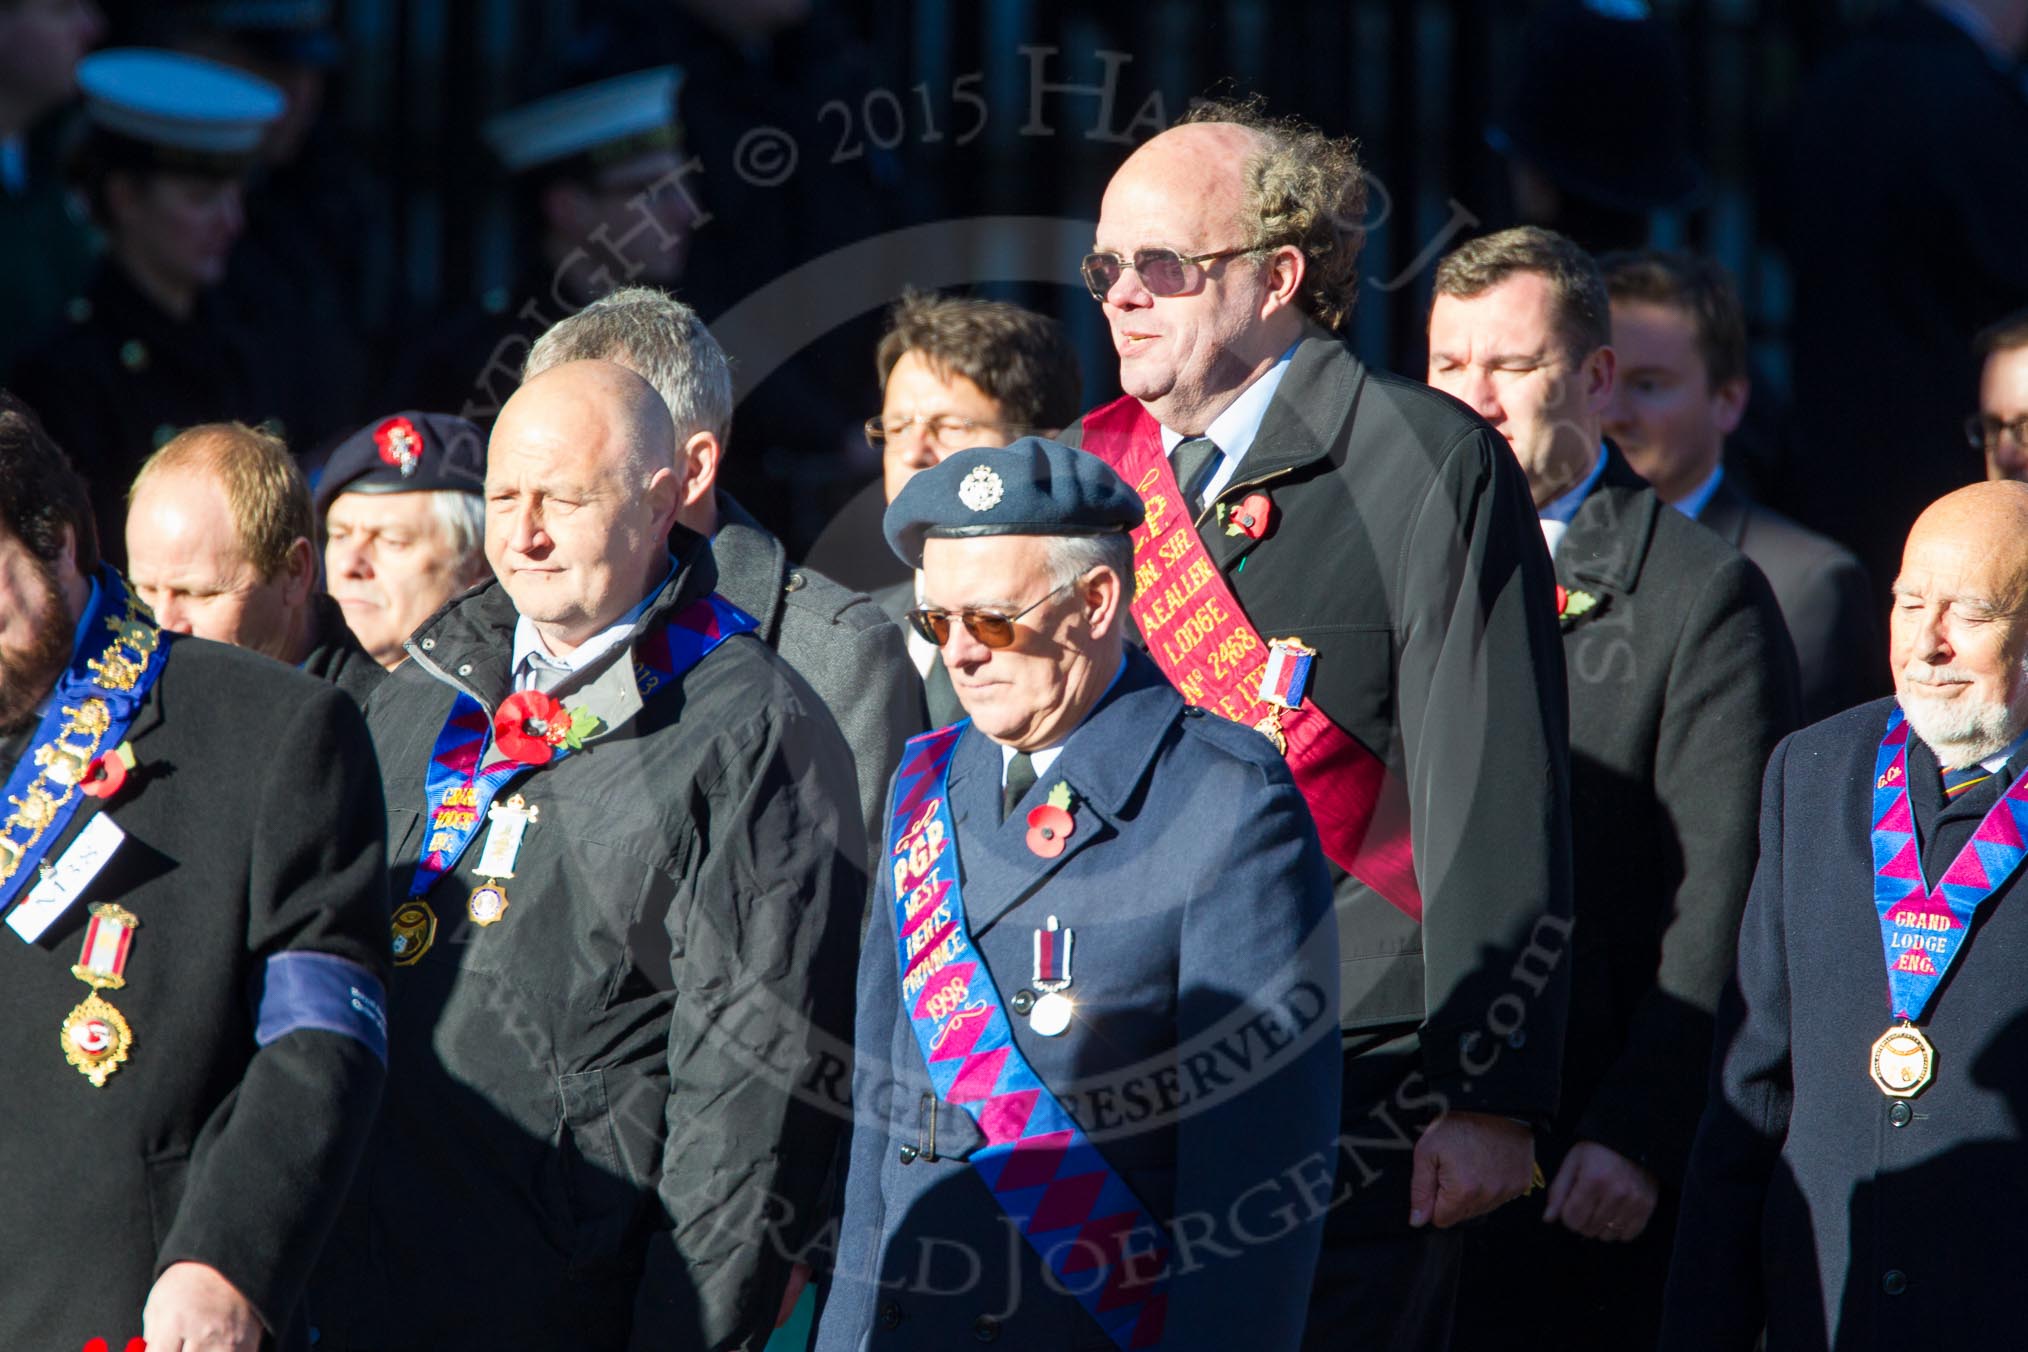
column 1097, row 1091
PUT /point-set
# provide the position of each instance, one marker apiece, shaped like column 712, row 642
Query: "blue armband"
column 323, row 991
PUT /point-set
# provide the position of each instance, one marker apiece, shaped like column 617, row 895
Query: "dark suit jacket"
column 1841, row 1218
column 1681, row 682
column 1827, row 601
column 336, row 655
column 1202, row 1060
column 1404, row 548
column 254, row 829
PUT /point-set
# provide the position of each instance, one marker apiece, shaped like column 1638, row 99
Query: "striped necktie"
column 1955, row 782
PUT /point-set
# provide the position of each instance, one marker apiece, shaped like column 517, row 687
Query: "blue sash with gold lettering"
column 111, row 671
column 1075, row 1211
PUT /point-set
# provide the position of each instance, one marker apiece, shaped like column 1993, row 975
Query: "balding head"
column 580, row 497
column 598, row 408
column 218, row 540
column 1959, row 636
column 1279, row 205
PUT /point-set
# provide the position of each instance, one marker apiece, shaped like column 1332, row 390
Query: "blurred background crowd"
column 435, row 193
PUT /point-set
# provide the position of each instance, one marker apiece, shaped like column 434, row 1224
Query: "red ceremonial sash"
column 1198, row 634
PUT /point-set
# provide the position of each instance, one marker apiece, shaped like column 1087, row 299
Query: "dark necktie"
column 1192, row 456
column 1020, row 779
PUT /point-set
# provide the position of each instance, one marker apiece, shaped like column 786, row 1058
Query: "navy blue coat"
column 1843, row 1218
column 1203, row 1060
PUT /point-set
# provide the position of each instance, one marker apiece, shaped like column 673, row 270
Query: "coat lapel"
column 1607, row 543
column 1322, row 375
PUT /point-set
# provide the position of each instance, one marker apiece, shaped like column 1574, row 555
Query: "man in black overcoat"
column 1380, row 525
column 192, row 882
column 1681, row 681
column 1856, row 1182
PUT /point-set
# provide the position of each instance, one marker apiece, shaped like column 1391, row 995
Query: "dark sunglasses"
column 1163, row 271
column 988, row 626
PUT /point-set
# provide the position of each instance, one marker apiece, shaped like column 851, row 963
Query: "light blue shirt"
column 1233, row 431
column 1557, row 515
column 1693, row 503
column 536, row 668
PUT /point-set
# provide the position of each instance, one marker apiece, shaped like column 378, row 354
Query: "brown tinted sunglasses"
column 990, row 627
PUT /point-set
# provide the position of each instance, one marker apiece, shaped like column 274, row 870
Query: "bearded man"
column 1858, row 1168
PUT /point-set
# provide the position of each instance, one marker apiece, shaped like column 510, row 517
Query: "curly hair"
column 1306, row 189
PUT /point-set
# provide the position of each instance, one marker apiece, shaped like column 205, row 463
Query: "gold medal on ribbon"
column 487, row 904
column 1903, row 1061
column 95, row 1036
column 414, row 930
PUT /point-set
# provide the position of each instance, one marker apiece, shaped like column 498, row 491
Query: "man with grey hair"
column 1085, row 889
column 849, row 651
column 1857, row 1176
column 404, row 524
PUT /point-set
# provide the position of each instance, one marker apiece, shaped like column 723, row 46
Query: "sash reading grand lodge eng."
column 1201, row 638
column 1923, row 928
column 1072, row 1207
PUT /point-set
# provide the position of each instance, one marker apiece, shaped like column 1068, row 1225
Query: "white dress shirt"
column 1233, row 431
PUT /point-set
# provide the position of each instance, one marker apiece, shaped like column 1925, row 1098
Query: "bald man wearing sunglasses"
column 1098, row 1065
column 1349, row 562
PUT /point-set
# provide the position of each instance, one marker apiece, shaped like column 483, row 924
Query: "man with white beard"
column 1859, row 1168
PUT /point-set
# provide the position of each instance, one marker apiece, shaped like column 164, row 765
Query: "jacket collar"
column 1104, row 762
column 469, row 644
column 752, row 565
column 1291, row 435
column 1318, row 392
column 1607, row 543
